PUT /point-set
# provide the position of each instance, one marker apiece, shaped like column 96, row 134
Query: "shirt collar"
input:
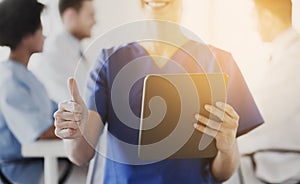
column 20, row 71
column 73, row 40
column 17, row 65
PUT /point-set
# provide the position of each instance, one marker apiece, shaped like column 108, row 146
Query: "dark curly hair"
column 18, row 18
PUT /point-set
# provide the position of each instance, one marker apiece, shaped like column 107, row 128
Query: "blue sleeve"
column 26, row 118
column 96, row 96
column 239, row 95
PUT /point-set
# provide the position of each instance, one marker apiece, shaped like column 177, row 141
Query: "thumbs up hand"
column 71, row 116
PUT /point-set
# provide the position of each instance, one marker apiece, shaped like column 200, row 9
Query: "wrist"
column 230, row 151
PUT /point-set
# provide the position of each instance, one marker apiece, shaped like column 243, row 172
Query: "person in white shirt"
column 275, row 146
column 63, row 56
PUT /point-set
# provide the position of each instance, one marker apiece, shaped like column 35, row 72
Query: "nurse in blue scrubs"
column 98, row 135
column 25, row 108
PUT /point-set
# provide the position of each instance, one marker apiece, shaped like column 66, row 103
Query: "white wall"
column 296, row 14
column 4, row 52
column 235, row 31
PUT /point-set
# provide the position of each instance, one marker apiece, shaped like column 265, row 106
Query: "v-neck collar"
column 171, row 58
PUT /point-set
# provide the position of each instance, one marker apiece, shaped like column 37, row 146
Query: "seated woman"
column 25, row 109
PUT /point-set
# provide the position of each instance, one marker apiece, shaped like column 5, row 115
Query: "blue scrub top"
column 25, row 113
column 113, row 161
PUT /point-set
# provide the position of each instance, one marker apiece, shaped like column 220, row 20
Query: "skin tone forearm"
column 225, row 164
column 74, row 149
column 87, row 142
column 79, row 127
column 224, row 132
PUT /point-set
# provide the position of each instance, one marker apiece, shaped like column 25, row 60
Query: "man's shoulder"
column 56, row 42
column 296, row 44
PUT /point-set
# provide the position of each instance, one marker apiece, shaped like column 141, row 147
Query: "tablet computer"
column 169, row 105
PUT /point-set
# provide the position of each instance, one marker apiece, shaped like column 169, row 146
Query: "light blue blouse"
column 25, row 113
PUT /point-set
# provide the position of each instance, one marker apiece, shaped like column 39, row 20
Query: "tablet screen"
column 169, row 105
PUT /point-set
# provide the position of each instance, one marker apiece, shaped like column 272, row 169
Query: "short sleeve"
column 239, row 96
column 96, row 95
column 26, row 118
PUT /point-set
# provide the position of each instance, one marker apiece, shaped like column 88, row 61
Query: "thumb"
column 73, row 89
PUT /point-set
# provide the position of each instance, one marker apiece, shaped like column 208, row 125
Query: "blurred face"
column 35, row 42
column 85, row 20
column 169, row 10
column 266, row 24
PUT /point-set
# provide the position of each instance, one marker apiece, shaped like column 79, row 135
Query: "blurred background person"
column 25, row 108
column 63, row 51
column 275, row 146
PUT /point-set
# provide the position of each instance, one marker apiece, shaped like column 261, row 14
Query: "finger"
column 70, row 107
column 67, row 116
column 66, row 124
column 228, row 109
column 206, row 130
column 73, row 89
column 219, row 113
column 207, row 122
column 67, row 133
